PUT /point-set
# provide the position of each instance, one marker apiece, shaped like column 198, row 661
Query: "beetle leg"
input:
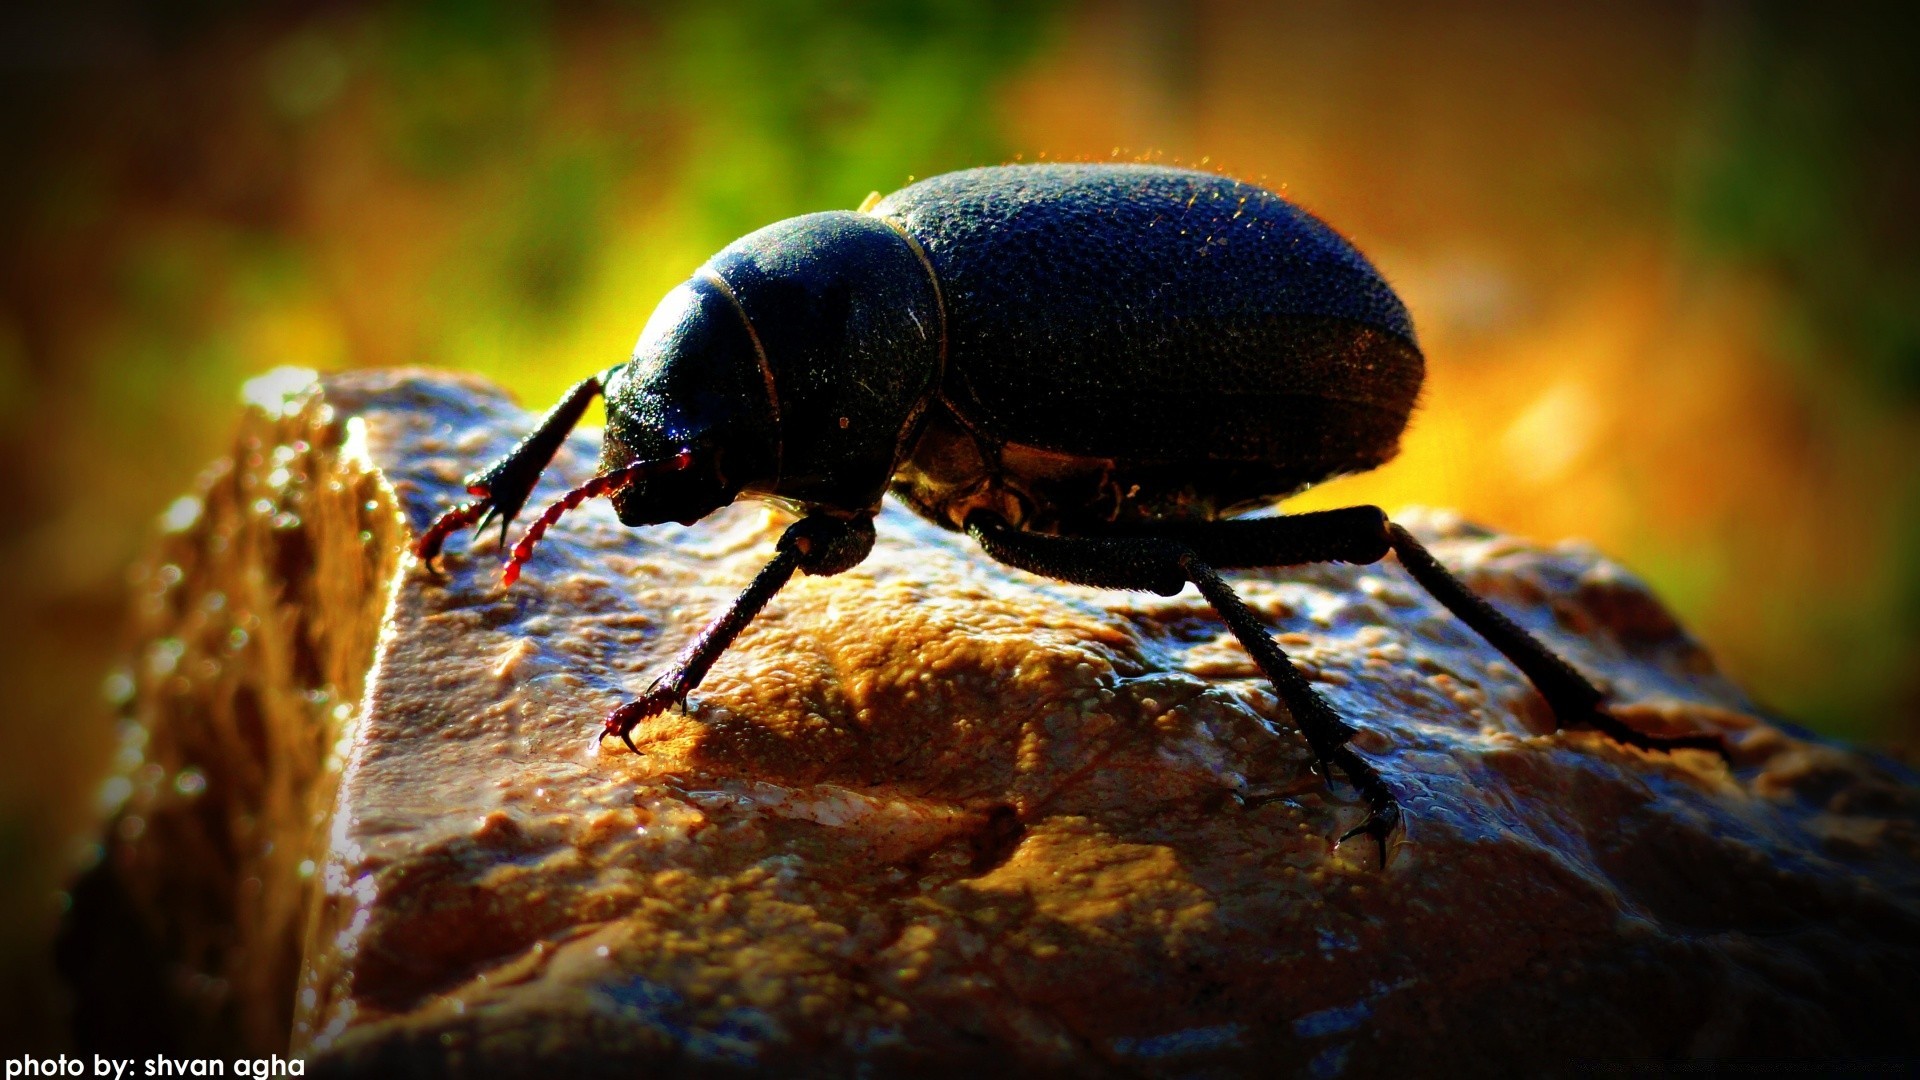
column 817, row 544
column 1355, row 534
column 501, row 489
column 1362, row 534
column 1575, row 701
column 1165, row 565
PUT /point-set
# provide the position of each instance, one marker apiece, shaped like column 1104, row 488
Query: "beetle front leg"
column 1165, row 565
column 816, row 544
column 502, row 488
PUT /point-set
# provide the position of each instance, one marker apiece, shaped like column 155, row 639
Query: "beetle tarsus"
column 1575, row 701
column 427, row 548
column 1383, row 810
column 620, row 724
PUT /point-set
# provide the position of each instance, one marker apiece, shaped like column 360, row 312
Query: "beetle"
column 1091, row 369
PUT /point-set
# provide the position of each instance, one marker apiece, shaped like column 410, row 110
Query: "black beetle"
column 1087, row 368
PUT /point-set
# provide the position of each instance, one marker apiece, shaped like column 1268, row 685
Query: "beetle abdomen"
column 1165, row 319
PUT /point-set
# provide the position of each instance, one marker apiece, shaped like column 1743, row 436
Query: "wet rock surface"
column 932, row 814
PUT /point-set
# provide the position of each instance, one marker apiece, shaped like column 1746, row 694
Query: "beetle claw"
column 1383, row 810
column 624, row 719
column 1380, row 823
column 480, row 526
column 611, row 728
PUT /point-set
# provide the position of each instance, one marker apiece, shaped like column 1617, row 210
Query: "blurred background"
column 1664, row 258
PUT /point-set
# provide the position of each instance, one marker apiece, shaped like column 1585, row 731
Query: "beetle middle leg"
column 1165, row 564
column 818, row 544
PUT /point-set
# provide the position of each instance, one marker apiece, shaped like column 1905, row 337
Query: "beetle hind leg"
column 1362, row 534
column 1575, row 701
column 1165, row 564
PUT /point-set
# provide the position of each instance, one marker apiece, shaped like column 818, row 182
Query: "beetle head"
column 696, row 382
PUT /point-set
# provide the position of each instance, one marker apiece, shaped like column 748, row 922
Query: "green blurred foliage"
column 1805, row 172
column 464, row 82
column 804, row 112
column 1807, row 169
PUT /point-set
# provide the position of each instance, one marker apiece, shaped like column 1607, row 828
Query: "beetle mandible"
column 1087, row 368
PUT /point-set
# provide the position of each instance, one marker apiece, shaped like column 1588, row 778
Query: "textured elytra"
column 1162, row 316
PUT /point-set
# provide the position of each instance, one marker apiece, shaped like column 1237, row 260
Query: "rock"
column 933, row 815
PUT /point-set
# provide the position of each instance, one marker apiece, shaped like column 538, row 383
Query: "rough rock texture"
column 935, row 815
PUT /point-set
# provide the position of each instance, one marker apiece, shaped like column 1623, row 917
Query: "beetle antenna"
column 604, row 484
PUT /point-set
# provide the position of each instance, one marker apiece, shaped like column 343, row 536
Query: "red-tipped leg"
column 605, row 484
column 430, row 542
column 657, row 700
